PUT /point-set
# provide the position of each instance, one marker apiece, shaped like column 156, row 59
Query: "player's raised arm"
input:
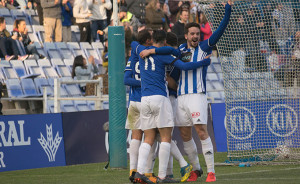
column 167, row 50
column 221, row 29
column 190, row 65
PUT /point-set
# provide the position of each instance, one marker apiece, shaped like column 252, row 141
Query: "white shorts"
column 133, row 121
column 156, row 112
column 192, row 109
column 174, row 105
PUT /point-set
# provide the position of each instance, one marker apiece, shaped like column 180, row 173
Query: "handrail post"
column 98, row 102
column 56, row 95
column 45, row 100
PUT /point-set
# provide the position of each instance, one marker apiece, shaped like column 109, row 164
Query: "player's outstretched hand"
column 145, row 53
column 207, row 56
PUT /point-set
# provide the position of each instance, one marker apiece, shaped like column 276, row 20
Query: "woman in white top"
column 82, row 14
column 83, row 70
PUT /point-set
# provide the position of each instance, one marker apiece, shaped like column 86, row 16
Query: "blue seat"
column 29, row 88
column 14, row 88
column 50, row 72
column 73, row 90
column 42, row 83
column 63, row 70
column 69, row 108
column 10, row 73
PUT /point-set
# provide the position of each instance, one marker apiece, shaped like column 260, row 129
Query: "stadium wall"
column 60, row 139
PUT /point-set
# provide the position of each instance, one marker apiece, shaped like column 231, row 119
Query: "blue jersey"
column 153, row 73
column 174, row 73
column 134, row 69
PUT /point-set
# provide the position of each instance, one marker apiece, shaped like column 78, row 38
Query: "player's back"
column 153, row 74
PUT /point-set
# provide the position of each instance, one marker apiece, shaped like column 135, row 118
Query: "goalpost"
column 260, row 57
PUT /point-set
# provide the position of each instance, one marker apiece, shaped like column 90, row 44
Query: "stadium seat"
column 210, row 69
column 69, row 62
column 36, row 70
column 92, row 52
column 73, row 90
column 77, row 52
column 55, row 62
column 73, row 45
column 66, row 54
column 83, row 107
column 209, row 86
column 216, row 95
column 44, row 62
column 40, row 31
column 10, row 73
column 63, row 92
column 217, row 67
column 75, row 33
column 14, row 88
column 212, row 77
column 69, row 108
column 4, row 12
column 97, row 45
column 85, row 45
column 17, row 12
column 61, row 45
column 29, row 88
column 2, row 78
column 50, row 72
column 91, row 104
column 42, row 83
column 63, row 70
column 28, row 63
column 9, row 20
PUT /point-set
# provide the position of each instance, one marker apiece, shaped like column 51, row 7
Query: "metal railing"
column 98, row 98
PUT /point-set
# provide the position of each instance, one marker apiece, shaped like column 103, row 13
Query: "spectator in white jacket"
column 82, row 14
column 99, row 16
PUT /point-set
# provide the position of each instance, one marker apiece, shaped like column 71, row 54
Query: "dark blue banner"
column 218, row 116
column 31, row 141
column 263, row 124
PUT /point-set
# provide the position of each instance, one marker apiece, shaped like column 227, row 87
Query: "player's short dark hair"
column 2, row 20
column 189, row 25
column 172, row 39
column 159, row 36
column 143, row 36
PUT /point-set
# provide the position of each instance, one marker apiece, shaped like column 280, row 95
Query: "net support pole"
column 117, row 97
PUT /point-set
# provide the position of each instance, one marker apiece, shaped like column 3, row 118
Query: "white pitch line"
column 287, row 169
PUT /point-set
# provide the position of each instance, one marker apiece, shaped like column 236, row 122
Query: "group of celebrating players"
column 168, row 86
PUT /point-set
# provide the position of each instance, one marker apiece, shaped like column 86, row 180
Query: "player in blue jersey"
column 192, row 101
column 132, row 78
column 156, row 110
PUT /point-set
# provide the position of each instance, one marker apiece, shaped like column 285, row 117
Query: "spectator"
column 82, row 14
column 22, row 32
column 204, row 27
column 155, row 17
column 9, row 4
column 99, row 16
column 52, row 20
column 8, row 46
column 67, row 14
column 37, row 4
column 174, row 6
column 178, row 28
column 137, row 8
column 165, row 8
column 83, row 70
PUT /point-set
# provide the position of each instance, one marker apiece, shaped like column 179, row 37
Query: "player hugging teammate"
column 150, row 111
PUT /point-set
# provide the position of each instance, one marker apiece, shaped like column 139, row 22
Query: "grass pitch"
column 95, row 174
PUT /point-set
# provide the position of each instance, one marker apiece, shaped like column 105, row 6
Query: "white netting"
column 260, row 55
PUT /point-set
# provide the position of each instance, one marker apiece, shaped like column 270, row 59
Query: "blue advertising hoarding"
column 31, row 141
column 257, row 124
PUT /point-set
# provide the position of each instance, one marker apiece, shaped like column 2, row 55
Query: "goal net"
column 260, row 57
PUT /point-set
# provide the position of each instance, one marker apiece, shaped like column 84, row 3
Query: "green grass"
column 94, row 173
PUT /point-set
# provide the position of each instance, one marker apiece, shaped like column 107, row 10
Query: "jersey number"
column 137, row 71
column 152, row 63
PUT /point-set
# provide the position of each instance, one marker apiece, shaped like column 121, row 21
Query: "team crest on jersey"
column 186, row 57
column 195, row 114
column 128, row 63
